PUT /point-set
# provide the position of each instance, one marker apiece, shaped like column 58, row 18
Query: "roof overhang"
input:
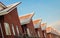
column 1, row 4
column 9, row 8
column 43, row 26
column 26, row 20
column 52, row 30
column 38, row 23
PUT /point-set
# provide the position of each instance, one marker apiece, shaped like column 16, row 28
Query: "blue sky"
column 48, row 10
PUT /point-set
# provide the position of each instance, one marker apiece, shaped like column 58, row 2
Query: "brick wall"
column 31, row 27
column 50, row 35
column 11, row 18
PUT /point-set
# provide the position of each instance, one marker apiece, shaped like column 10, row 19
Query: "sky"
column 47, row 10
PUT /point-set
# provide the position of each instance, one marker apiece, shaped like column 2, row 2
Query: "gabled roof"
column 56, row 25
column 1, row 4
column 37, row 23
column 52, row 30
column 9, row 8
column 43, row 26
column 26, row 18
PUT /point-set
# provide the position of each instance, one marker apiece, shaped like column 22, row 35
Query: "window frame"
column 7, row 28
column 13, row 30
column 17, row 29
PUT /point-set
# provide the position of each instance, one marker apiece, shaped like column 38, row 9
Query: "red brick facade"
column 40, row 35
column 10, row 18
column 13, row 26
column 31, row 29
column 44, row 33
column 50, row 35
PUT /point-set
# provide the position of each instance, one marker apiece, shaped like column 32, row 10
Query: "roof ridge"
column 37, row 21
column 53, row 30
column 27, row 14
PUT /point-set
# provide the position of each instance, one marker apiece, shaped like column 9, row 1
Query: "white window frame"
column 17, row 29
column 1, row 30
column 13, row 29
column 38, row 34
column 7, row 28
column 44, row 34
column 28, row 32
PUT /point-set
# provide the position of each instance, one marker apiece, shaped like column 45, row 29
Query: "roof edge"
column 9, row 9
column 3, row 5
column 54, row 31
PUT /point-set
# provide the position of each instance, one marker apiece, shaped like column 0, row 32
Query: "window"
column 7, row 29
column 44, row 34
column 38, row 34
column 1, row 31
column 13, row 29
column 28, row 32
column 17, row 30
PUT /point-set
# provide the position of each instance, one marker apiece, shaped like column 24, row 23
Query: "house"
column 37, row 26
column 43, row 27
column 27, row 25
column 10, row 26
column 52, row 33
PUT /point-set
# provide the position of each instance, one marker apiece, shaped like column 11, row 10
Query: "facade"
column 43, row 27
column 37, row 26
column 27, row 25
column 10, row 26
column 52, row 33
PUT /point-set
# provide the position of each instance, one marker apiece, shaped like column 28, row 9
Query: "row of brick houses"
column 14, row 26
column 52, row 33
